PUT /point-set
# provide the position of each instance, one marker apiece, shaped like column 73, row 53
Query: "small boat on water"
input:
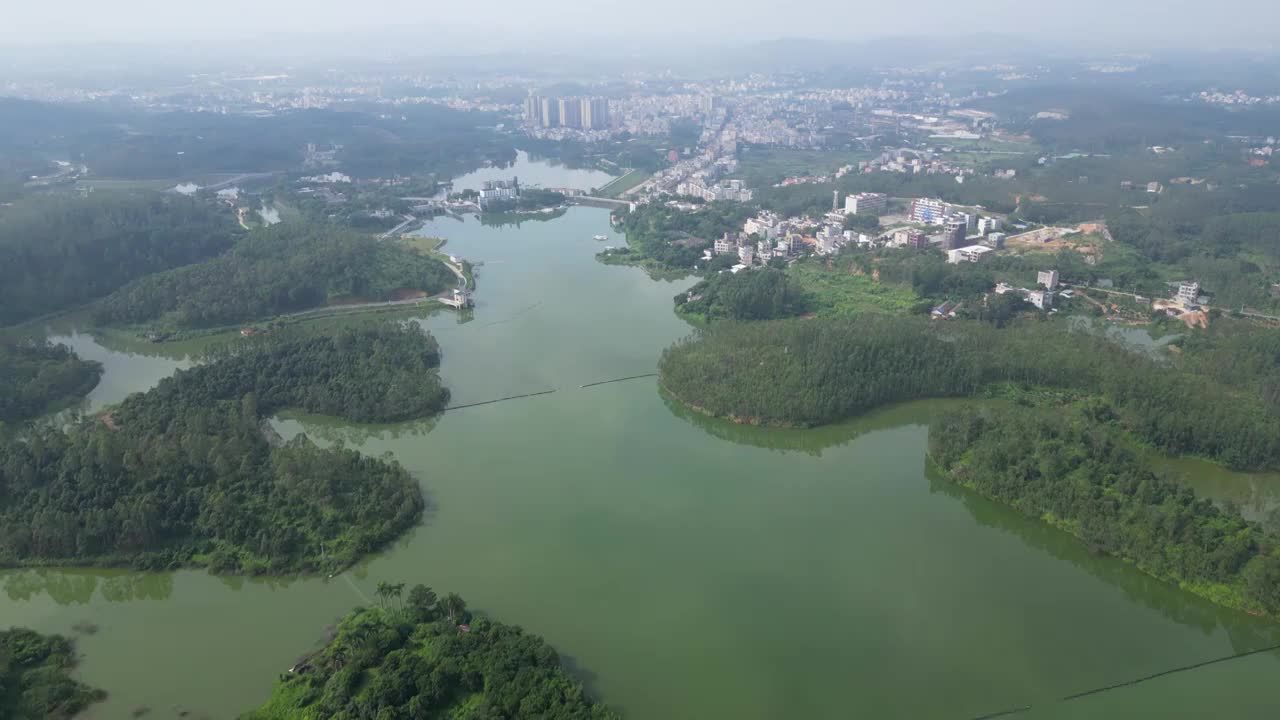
column 600, row 238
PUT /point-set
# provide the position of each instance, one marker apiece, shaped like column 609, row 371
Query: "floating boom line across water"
column 616, row 380
column 1135, row 681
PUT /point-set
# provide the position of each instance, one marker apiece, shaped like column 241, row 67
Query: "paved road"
column 342, row 309
column 408, row 220
column 1206, row 308
column 241, row 178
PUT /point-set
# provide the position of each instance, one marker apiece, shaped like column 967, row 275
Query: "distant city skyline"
column 521, row 26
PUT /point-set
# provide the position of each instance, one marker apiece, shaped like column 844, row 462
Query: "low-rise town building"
column 928, row 211
column 971, row 253
column 954, row 235
column 496, row 190
column 1189, row 293
column 866, row 204
column 1042, row 299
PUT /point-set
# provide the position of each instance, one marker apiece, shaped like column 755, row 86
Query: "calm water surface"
column 689, row 568
column 542, row 173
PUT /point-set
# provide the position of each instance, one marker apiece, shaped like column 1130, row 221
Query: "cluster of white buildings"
column 731, row 190
column 958, row 226
column 914, row 162
column 788, row 237
column 752, row 248
column 1239, row 97
column 1042, row 295
column 498, row 190
column 700, row 176
column 827, row 235
column 649, row 114
column 332, row 178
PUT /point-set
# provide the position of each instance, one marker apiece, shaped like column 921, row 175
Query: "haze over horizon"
column 520, row 26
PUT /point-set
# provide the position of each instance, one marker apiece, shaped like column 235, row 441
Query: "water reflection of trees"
column 73, row 587
column 184, row 351
column 1245, row 632
column 811, row 441
column 518, row 219
column 238, row 582
column 195, row 349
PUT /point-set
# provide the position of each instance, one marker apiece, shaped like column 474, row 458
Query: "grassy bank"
column 836, row 292
column 622, row 184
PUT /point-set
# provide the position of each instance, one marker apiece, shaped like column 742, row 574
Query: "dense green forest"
column 674, row 238
column 57, row 252
column 189, row 473
column 763, row 294
column 419, row 656
column 40, row 377
column 1238, row 354
column 815, row 371
column 370, row 372
column 1104, row 118
column 1074, row 468
column 1227, row 242
column 35, row 678
column 621, row 150
column 126, row 142
column 280, row 269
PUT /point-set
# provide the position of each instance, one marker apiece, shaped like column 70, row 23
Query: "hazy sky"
column 1221, row 23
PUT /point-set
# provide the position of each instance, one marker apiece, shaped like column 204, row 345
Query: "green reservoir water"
column 688, row 568
column 533, row 171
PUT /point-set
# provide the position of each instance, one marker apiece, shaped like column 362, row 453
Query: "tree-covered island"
column 191, row 474
column 418, row 655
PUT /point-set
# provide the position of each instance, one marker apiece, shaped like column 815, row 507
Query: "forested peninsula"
column 282, row 269
column 189, row 473
column 1063, row 444
column 39, row 377
column 1075, row 469
column 35, row 678
column 821, row 370
column 58, row 252
column 419, row 656
column 665, row 239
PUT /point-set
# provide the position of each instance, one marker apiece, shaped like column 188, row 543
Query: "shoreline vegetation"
column 668, row 242
column 1065, row 449
column 35, row 677
column 176, row 324
column 58, row 253
column 1082, row 474
column 39, row 377
column 190, row 473
column 814, row 371
column 285, row 269
column 419, row 655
